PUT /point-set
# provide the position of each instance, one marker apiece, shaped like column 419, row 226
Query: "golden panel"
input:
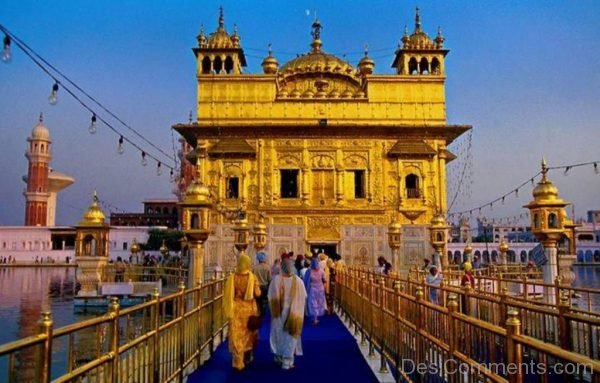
column 323, row 228
column 322, row 187
column 322, row 161
column 364, row 220
column 285, row 220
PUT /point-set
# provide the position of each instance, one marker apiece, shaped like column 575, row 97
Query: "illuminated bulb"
column 6, row 55
column 158, row 169
column 596, row 168
column 144, row 160
column 53, row 99
column 120, row 147
column 92, row 127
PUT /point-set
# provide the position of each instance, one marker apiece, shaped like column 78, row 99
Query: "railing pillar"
column 452, row 328
column 557, row 282
column 113, row 312
column 419, row 325
column 503, row 306
column 396, row 312
column 363, row 306
column 211, row 342
column 44, row 362
column 513, row 347
column 182, row 335
column 371, row 298
column 525, row 288
column 156, row 337
column 564, row 328
column 383, row 363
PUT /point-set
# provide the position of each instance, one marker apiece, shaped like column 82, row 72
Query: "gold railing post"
column 155, row 337
column 564, row 328
column 503, row 307
column 525, row 288
column 396, row 312
column 452, row 328
column 371, row 315
column 557, row 282
column 113, row 313
column 383, row 364
column 211, row 295
column 364, row 304
column 182, row 334
column 419, row 325
column 44, row 362
column 513, row 347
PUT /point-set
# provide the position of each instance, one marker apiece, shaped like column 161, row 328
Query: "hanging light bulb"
column 517, row 193
column 120, row 147
column 567, row 170
column 144, row 160
column 53, row 99
column 158, row 169
column 171, row 176
column 6, row 55
column 92, row 127
column 596, row 170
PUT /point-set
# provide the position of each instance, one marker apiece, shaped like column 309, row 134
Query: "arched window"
column 523, row 256
column 229, row 65
column 206, row 65
column 218, row 65
column 424, row 66
column 494, row 256
column 435, row 66
column 174, row 211
column 195, row 222
column 412, row 66
column 165, row 210
column 552, row 221
column 89, row 245
column 412, row 186
column 536, row 221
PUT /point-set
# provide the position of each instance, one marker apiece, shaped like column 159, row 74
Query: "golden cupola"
column 94, row 215
column 366, row 64
column 545, row 189
column 317, row 74
column 220, row 52
column 419, row 54
column 270, row 63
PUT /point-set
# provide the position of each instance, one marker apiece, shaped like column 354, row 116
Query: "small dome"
column 220, row 38
column 438, row 220
column 366, row 64
column 270, row 63
column 503, row 246
column 94, row 215
column 197, row 193
column 545, row 190
column 40, row 132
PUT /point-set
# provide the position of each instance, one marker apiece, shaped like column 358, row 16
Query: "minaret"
column 36, row 196
column 43, row 183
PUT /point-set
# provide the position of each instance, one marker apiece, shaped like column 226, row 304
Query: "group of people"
column 433, row 278
column 294, row 287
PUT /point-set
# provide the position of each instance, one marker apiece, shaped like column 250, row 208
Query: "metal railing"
column 464, row 328
column 162, row 340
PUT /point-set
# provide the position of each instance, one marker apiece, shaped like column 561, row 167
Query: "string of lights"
column 515, row 190
column 48, row 69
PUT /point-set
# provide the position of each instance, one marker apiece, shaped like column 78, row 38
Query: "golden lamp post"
column 503, row 250
column 548, row 219
column 241, row 231
column 259, row 231
column 135, row 250
column 438, row 234
column 195, row 208
column 395, row 240
column 164, row 250
column 468, row 251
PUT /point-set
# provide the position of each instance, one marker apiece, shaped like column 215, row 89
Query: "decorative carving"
column 289, row 159
column 322, row 161
column 362, row 257
column 323, row 228
column 356, row 161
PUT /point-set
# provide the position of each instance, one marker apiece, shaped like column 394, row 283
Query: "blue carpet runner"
column 331, row 355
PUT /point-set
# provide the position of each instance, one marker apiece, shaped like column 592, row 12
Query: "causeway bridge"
column 386, row 328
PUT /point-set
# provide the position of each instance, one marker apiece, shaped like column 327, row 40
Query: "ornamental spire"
column 316, row 35
column 221, row 18
column 417, row 21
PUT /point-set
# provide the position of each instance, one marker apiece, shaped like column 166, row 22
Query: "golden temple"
column 329, row 153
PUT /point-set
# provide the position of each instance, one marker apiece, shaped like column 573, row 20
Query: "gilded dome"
column 438, row 220
column 197, row 193
column 270, row 63
column 545, row 189
column 220, row 39
column 419, row 39
column 94, row 215
column 40, row 132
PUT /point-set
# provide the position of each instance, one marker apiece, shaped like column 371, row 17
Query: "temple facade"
column 329, row 153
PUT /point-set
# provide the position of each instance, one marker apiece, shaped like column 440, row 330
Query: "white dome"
column 40, row 132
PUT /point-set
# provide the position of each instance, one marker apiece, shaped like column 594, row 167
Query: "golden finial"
column 95, row 198
column 544, row 169
column 270, row 47
column 41, row 118
column 221, row 18
column 366, row 49
column 316, row 35
column 439, row 40
column 417, row 21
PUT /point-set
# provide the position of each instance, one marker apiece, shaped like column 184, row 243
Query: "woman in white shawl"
column 287, row 297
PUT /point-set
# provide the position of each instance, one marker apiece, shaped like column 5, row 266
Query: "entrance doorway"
column 327, row 248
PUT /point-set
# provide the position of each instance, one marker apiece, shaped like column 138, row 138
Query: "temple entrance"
column 327, row 248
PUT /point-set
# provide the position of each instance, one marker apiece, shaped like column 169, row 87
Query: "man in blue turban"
column 263, row 276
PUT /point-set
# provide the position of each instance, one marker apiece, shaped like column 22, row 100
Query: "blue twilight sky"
column 523, row 73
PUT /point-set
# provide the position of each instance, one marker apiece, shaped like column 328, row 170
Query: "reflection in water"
column 588, row 277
